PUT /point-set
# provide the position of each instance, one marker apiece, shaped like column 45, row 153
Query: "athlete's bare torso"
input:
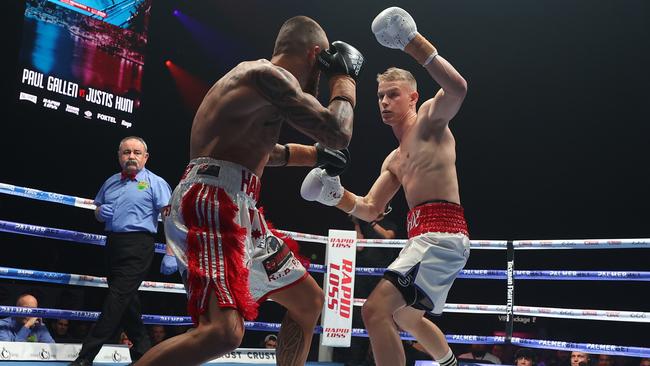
column 235, row 122
column 425, row 164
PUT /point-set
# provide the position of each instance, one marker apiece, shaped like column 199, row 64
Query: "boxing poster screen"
column 84, row 58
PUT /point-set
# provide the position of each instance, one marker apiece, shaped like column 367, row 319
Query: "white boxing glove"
column 394, row 28
column 319, row 186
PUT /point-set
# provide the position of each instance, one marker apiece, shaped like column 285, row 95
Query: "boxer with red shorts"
column 221, row 241
column 229, row 257
column 424, row 164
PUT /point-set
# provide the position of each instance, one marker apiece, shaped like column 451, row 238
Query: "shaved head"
column 27, row 301
column 298, row 35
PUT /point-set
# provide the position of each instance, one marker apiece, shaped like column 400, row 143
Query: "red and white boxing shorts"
column 222, row 242
column 437, row 250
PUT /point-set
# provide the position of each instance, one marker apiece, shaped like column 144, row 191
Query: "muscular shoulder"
column 273, row 82
column 389, row 161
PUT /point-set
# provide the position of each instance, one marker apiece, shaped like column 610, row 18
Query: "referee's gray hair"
column 133, row 138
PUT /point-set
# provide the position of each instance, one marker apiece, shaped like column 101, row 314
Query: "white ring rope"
column 86, row 203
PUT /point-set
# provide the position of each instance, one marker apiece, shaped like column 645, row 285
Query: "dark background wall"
column 552, row 139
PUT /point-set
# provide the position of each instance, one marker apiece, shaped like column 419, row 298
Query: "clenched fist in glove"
column 341, row 58
column 335, row 162
column 395, row 28
column 342, row 65
column 320, row 186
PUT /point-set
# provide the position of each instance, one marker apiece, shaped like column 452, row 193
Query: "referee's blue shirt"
column 136, row 203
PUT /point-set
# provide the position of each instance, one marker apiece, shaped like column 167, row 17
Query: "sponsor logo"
column 44, row 354
column 55, row 196
column 336, row 332
column 28, row 97
column 272, row 244
column 142, row 185
column 260, row 355
column 106, row 117
column 5, row 354
column 88, row 114
column 341, row 242
column 412, row 220
column 72, row 109
column 277, row 260
column 117, row 356
column 51, row 104
column 465, row 337
column 126, row 124
column 404, row 281
column 209, row 169
column 339, row 289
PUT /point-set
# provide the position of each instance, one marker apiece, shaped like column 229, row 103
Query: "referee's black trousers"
column 128, row 257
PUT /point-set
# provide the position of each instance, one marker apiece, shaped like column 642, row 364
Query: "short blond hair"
column 397, row 74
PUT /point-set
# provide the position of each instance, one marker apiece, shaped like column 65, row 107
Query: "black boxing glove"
column 341, row 58
column 334, row 162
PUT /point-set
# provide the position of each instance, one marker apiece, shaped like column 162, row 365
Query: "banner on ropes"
column 248, row 356
column 32, row 351
column 339, row 288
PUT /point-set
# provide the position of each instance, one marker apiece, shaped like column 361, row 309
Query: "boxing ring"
column 509, row 309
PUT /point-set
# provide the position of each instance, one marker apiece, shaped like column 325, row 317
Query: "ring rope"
column 261, row 326
column 163, row 287
column 60, row 234
column 67, row 278
column 86, row 203
column 582, row 244
column 83, row 280
column 98, row 239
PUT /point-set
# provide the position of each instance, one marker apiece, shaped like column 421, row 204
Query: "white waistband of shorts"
column 232, row 177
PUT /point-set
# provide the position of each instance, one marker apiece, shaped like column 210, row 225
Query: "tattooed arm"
column 331, row 126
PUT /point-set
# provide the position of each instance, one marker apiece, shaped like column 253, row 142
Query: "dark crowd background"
column 552, row 143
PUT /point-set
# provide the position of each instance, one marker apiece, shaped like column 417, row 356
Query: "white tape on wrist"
column 430, row 58
column 354, row 208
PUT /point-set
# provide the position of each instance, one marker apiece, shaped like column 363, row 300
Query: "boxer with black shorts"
column 424, row 164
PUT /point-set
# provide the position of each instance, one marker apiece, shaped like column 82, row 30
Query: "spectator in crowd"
column 580, row 358
column 605, row 360
column 270, row 341
column 80, row 330
column 61, row 331
column 644, row 362
column 24, row 329
column 562, row 358
column 525, row 357
column 499, row 351
column 479, row 352
column 124, row 339
column 157, row 334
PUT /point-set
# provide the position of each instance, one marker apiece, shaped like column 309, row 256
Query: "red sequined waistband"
column 442, row 217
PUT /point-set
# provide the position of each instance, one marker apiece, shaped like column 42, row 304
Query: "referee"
column 128, row 204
